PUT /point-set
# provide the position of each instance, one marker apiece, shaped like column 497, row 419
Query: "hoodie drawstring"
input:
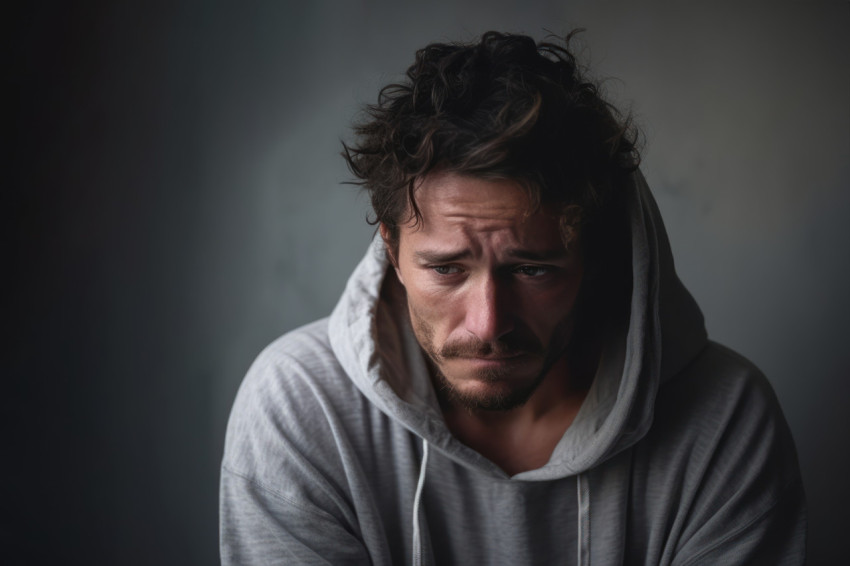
column 583, row 494
column 417, row 499
column 583, row 500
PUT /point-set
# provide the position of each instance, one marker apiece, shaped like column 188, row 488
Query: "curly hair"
column 504, row 107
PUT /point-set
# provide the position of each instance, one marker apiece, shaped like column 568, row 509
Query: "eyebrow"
column 428, row 256
column 545, row 255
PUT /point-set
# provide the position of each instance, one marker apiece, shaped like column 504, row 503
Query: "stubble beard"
column 496, row 398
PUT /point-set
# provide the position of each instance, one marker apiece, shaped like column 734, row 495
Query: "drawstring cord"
column 583, row 500
column 583, row 508
column 417, row 499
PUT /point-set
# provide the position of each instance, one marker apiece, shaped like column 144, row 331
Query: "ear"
column 391, row 250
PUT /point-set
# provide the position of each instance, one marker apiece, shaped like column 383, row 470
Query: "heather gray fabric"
column 679, row 454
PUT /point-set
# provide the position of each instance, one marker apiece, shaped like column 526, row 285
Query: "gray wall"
column 175, row 201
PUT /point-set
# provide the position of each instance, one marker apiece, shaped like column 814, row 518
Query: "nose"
column 489, row 309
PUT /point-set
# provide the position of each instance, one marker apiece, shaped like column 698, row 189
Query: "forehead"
column 459, row 207
column 448, row 195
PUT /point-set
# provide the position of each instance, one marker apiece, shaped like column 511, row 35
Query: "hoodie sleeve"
column 284, row 497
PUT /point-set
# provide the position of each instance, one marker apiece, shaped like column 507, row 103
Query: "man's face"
column 490, row 288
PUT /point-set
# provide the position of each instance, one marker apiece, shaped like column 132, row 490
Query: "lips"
column 500, row 350
column 492, row 359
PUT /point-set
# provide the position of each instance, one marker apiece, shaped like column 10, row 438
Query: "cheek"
column 436, row 314
column 546, row 310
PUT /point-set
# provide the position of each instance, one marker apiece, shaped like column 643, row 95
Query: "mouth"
column 492, row 360
column 499, row 357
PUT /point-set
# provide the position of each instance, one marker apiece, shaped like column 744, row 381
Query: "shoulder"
column 719, row 390
column 297, row 366
column 307, row 348
column 293, row 402
column 721, row 404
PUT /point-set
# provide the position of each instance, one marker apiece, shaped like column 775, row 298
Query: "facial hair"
column 516, row 343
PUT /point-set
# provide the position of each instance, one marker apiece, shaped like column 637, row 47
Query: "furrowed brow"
column 427, row 256
column 541, row 256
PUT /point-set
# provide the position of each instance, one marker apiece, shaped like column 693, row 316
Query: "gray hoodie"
column 337, row 452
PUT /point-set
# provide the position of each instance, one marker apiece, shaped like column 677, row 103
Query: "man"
column 514, row 373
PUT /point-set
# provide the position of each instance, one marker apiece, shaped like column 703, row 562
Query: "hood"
column 371, row 336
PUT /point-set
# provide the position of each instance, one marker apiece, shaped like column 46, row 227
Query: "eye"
column 533, row 270
column 445, row 269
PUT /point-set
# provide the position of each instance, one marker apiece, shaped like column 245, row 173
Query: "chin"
column 488, row 390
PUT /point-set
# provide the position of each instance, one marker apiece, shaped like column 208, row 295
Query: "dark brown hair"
column 504, row 107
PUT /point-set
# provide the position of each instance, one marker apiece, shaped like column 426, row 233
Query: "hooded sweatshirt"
column 337, row 451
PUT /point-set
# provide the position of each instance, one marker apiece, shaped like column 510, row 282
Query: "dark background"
column 172, row 203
